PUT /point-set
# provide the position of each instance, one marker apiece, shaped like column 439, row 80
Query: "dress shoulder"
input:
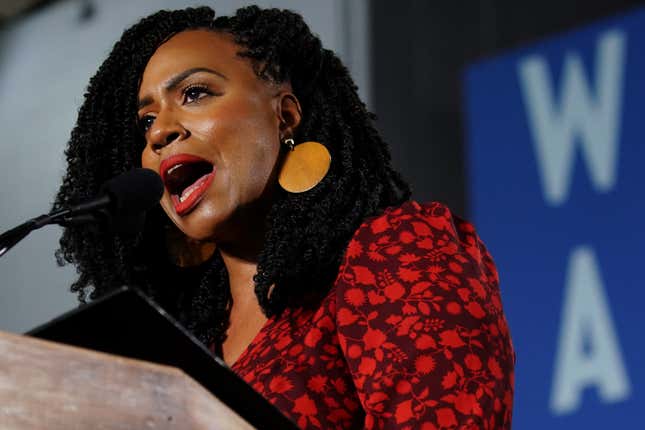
column 420, row 321
column 427, row 226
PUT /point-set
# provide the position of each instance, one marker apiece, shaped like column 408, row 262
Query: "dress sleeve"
column 421, row 325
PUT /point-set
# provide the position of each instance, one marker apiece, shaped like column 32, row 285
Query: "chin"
column 197, row 228
column 203, row 223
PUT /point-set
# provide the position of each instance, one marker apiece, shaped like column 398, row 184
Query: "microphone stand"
column 9, row 238
column 75, row 215
column 123, row 200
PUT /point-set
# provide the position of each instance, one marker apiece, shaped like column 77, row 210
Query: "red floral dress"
column 411, row 336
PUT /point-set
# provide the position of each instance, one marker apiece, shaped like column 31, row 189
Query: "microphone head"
column 133, row 192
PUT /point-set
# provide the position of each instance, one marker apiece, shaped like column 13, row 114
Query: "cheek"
column 149, row 160
column 244, row 137
column 260, row 166
column 264, row 158
column 255, row 159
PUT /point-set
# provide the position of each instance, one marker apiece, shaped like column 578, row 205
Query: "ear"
column 289, row 114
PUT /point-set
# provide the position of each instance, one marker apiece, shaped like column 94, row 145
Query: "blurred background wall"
column 465, row 93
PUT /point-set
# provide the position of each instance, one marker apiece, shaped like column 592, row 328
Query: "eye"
column 194, row 93
column 145, row 123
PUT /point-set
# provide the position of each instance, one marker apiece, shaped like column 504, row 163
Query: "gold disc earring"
column 305, row 165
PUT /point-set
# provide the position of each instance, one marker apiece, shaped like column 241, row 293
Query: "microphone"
column 130, row 193
column 122, row 202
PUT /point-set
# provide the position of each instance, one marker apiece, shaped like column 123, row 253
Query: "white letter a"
column 586, row 320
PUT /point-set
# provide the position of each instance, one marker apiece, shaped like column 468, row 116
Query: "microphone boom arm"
column 9, row 238
column 123, row 198
column 68, row 216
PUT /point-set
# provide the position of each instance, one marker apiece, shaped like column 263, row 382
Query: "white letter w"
column 593, row 121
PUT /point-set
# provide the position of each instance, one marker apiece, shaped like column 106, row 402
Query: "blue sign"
column 556, row 146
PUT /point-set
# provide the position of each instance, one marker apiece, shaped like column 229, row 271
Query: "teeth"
column 185, row 195
column 172, row 169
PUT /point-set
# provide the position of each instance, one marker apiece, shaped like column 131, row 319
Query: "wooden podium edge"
column 49, row 385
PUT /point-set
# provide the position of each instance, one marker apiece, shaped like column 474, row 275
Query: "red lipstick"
column 186, row 177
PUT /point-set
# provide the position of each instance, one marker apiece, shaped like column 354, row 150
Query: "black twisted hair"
column 306, row 233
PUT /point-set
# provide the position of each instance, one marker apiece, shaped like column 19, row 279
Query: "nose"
column 166, row 129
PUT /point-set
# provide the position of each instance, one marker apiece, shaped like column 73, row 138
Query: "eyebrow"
column 178, row 79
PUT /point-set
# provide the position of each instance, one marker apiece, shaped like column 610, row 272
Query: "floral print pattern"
column 411, row 336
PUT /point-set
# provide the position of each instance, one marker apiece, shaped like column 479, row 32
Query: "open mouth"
column 186, row 177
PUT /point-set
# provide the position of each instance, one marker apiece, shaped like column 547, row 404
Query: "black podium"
column 129, row 324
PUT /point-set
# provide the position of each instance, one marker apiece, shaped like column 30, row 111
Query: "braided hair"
column 306, row 234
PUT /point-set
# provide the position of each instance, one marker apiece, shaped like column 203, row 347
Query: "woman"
column 341, row 302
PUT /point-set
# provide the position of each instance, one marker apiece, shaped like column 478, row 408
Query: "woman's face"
column 213, row 131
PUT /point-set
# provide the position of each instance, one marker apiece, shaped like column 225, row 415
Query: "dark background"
column 419, row 51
